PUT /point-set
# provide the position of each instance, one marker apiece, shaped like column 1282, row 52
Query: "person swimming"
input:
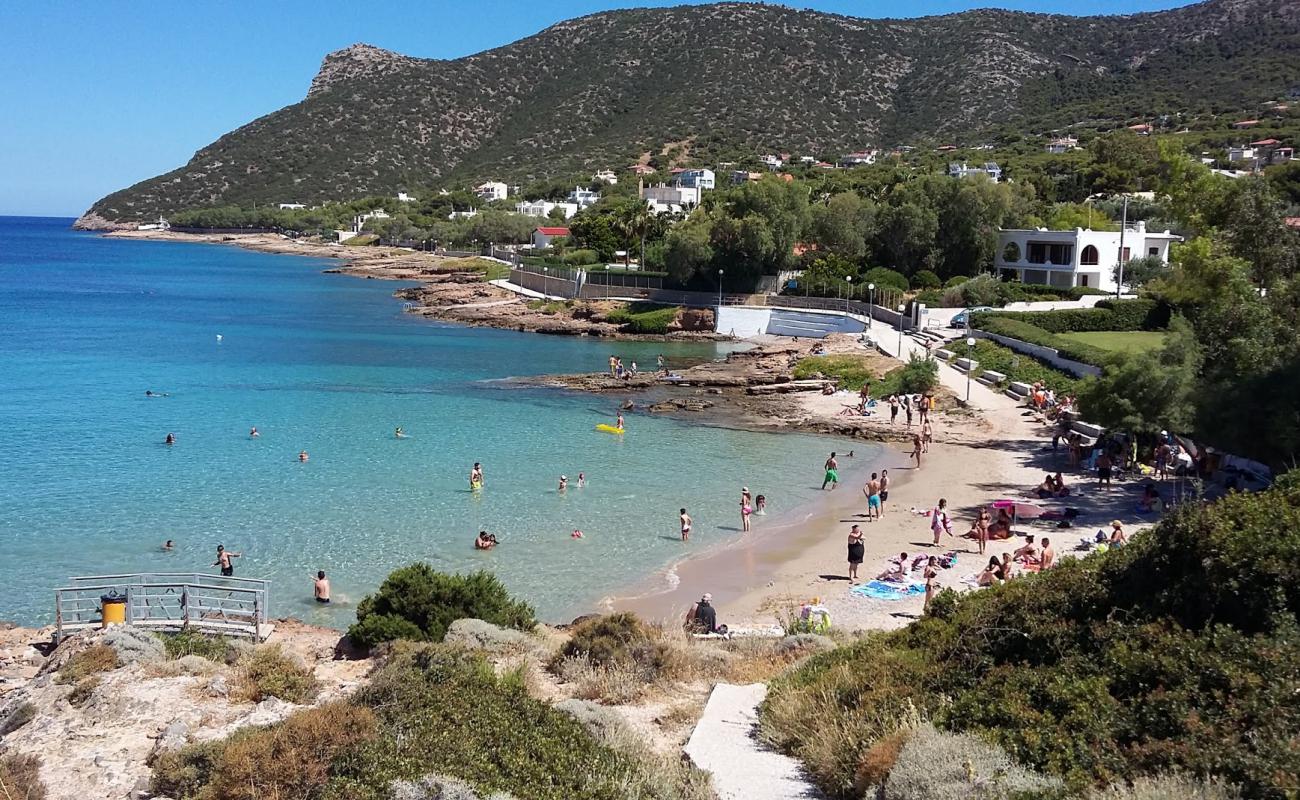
column 171, row 439
column 577, row 534
column 252, row 433
column 476, row 476
column 302, row 456
column 564, row 483
column 485, row 541
column 399, row 433
column 582, row 480
column 168, row 546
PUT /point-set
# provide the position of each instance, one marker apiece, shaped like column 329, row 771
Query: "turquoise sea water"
column 328, row 364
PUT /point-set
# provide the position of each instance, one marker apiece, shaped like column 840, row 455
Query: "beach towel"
column 880, row 590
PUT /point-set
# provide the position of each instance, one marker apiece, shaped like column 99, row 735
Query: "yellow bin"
column 113, row 609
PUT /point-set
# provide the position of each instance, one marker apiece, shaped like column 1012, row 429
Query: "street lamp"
column 849, row 294
column 719, row 290
column 901, row 309
column 970, row 352
column 545, row 293
column 871, row 302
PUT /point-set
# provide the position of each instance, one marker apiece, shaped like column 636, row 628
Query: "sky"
column 99, row 95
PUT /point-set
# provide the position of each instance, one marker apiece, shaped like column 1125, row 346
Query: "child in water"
column 760, row 504
column 582, row 480
column 577, row 534
column 564, row 482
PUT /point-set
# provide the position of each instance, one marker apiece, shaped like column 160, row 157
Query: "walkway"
column 725, row 744
column 981, row 396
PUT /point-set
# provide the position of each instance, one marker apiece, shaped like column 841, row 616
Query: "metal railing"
column 227, row 606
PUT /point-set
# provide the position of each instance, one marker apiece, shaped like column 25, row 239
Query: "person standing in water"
column 168, row 546
column 564, row 484
column 476, row 476
column 686, row 525
column 917, row 449
column 618, row 423
column 321, row 587
column 582, row 479
column 223, row 561
column 302, row 456
column 399, row 433
column 746, row 508
column 832, row 473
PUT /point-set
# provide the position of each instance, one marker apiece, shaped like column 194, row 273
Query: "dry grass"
column 680, row 715
column 269, row 672
column 20, row 778
column 91, row 661
column 82, row 692
column 194, row 665
column 618, row 683
column 1168, row 787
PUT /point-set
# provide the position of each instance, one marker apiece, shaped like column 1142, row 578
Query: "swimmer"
column 252, row 433
column 760, row 505
column 399, row 433
column 223, row 561
column 746, row 508
column 577, row 534
column 686, row 525
column 619, row 423
column 582, row 480
column 321, row 587
column 171, row 439
column 564, row 483
column 476, row 476
column 302, row 456
column 485, row 541
column 168, row 546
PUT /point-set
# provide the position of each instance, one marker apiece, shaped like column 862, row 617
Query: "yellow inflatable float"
column 609, row 429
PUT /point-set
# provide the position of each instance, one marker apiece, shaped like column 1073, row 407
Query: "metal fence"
column 214, row 604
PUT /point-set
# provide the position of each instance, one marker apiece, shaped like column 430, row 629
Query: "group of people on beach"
column 617, row 370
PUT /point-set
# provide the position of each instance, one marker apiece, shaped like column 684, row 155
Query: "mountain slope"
column 600, row 90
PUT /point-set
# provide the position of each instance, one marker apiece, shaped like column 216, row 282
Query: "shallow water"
column 328, row 364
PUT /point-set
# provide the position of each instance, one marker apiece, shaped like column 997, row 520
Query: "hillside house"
column 605, row 176
column 696, row 179
column 403, row 197
column 964, row 170
column 492, row 190
column 543, row 236
column 1241, row 153
column 663, row 198
column 1081, row 257
column 772, row 162
column 291, row 206
column 860, row 158
column 1062, row 145
column 1142, row 129
column 1243, row 124
column 744, row 176
column 582, row 198
column 543, row 208
column 641, row 169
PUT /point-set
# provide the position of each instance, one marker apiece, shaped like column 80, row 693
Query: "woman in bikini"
column 982, row 529
column 931, row 572
column 746, row 508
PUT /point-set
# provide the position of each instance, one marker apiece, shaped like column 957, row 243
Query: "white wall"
column 746, row 322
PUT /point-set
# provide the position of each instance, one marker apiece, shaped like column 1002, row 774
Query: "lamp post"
column 901, row 309
column 719, row 290
column 970, row 351
column 545, row 285
column 848, row 294
column 871, row 302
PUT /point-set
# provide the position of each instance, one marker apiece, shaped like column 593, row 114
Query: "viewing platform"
column 166, row 602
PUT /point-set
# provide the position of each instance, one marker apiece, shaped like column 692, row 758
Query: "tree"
column 1122, row 162
column 1138, row 272
column 842, row 225
column 687, row 248
column 1147, row 392
column 1256, row 227
column 905, row 235
column 1068, row 216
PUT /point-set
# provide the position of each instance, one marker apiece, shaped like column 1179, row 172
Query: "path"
column 725, row 744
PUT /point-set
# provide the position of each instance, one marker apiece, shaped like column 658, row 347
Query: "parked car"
column 959, row 319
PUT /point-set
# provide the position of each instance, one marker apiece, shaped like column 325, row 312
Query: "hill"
column 717, row 81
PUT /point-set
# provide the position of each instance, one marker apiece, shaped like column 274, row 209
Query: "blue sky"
column 98, row 95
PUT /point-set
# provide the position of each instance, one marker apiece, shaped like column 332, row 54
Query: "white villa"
column 1062, row 145
column 859, row 158
column 670, row 198
column 964, row 170
column 543, row 208
column 582, row 198
column 492, row 190
column 771, row 161
column 1081, row 257
column 606, row 176
column 291, row 206
column 403, row 197
column 697, row 179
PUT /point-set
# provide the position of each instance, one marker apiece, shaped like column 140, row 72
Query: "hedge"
column 1067, row 348
column 1108, row 315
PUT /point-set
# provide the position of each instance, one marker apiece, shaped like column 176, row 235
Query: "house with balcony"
column 492, row 190
column 697, row 179
column 543, row 208
column 1081, row 257
column 964, row 170
column 1062, row 145
column 860, row 158
column 583, row 198
column 606, row 176
column 772, row 161
column 670, row 198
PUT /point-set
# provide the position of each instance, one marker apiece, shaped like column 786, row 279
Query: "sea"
column 330, row 364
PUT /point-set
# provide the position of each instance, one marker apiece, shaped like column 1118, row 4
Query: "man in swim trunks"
column 832, row 473
column 321, row 587
column 893, row 408
column 1049, row 555
column 872, row 491
column 223, row 561
column 884, row 490
column 686, row 525
column 476, row 476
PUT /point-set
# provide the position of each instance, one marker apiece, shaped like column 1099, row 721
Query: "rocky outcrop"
column 93, row 221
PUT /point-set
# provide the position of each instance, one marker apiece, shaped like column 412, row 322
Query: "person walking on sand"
column 1103, row 468
column 917, row 449
column 746, row 508
column 907, row 408
column 927, row 436
column 872, row 490
column 856, row 552
column 321, row 587
column 884, row 491
column 686, row 525
column 832, row 473
column 893, row 408
column 223, row 561
column 939, row 521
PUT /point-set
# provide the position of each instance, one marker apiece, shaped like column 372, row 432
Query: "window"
column 1037, row 253
column 1089, row 257
column 1124, row 254
column 1083, row 279
column 1153, row 251
column 1011, row 254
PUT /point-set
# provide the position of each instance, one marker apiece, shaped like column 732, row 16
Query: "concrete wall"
column 746, row 322
column 1048, row 354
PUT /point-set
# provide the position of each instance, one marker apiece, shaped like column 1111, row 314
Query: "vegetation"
column 1108, row 315
column 1176, row 653
column 1020, row 368
column 21, row 714
column 644, row 318
column 418, row 603
column 1118, row 342
column 269, row 672
column 917, row 376
column 20, row 778
column 1067, row 347
column 190, row 643
column 93, row 660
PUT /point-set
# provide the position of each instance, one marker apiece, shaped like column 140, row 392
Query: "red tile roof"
column 1266, row 142
column 553, row 231
column 1293, row 222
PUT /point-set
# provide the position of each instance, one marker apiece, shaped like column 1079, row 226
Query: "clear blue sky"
column 98, row 95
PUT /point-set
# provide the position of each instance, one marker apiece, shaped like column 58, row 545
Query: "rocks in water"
column 476, row 634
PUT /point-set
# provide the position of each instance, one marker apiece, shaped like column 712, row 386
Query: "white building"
column 492, row 190
column 473, row 212
column 403, row 197
column 1063, row 145
column 543, row 208
column 859, row 158
column 543, row 236
column 291, row 206
column 670, row 198
column 771, row 161
column 582, row 198
column 360, row 220
column 697, row 179
column 964, row 170
column 1241, row 153
column 1081, row 257
column 606, row 176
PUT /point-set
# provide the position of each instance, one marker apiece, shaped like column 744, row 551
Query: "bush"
column 644, row 318
column 946, row 766
column 607, row 639
column 932, row 298
column 476, row 634
column 1022, row 368
column 1011, row 327
column 919, row 375
column 133, row 645
column 190, row 643
column 20, row 778
column 17, row 717
column 268, row 672
column 619, row 682
column 1174, row 654
column 1108, row 315
column 883, row 276
column 93, row 660
column 81, row 693
column 849, row 371
column 955, row 280
column 418, row 603
column 926, row 279
column 1167, row 787
column 581, row 258
column 295, row 758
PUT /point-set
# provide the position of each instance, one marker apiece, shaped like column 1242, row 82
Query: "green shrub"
column 93, row 660
column 918, row 376
column 190, row 643
column 1008, row 325
column 21, row 714
column 1108, row 315
column 849, row 370
column 955, row 280
column 883, row 276
column 644, row 318
column 418, row 603
column 20, row 778
column 926, row 279
column 581, row 258
column 268, row 672
column 944, row 766
column 932, row 298
column 1021, row 368
column 1174, row 654
column 607, row 639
